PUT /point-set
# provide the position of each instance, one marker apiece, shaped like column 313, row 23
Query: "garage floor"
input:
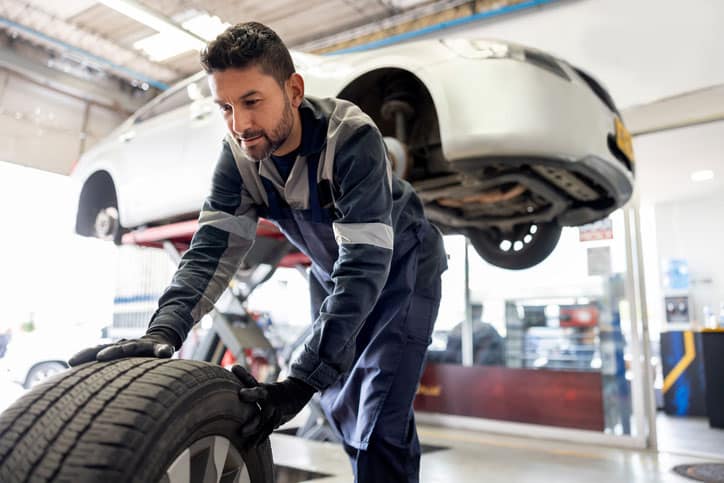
column 475, row 457
column 688, row 435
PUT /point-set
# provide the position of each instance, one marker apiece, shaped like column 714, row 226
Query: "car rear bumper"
column 518, row 110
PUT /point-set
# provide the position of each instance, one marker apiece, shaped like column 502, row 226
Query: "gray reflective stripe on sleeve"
column 242, row 226
column 228, row 264
column 377, row 234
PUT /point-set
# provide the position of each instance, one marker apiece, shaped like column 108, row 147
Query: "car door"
column 151, row 172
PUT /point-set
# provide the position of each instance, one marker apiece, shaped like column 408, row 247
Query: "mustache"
column 250, row 134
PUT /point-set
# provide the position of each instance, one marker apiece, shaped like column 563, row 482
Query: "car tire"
column 42, row 371
column 133, row 420
column 531, row 252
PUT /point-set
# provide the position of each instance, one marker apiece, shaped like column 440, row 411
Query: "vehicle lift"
column 233, row 329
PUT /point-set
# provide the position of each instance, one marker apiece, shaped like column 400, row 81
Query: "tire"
column 132, row 420
column 534, row 245
column 40, row 372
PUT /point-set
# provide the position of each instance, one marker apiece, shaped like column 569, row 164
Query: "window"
column 170, row 101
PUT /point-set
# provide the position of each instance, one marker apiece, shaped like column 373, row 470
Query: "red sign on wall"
column 599, row 230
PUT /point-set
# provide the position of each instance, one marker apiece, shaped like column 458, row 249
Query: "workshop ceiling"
column 98, row 36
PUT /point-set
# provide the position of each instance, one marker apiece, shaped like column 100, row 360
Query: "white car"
column 32, row 357
column 502, row 142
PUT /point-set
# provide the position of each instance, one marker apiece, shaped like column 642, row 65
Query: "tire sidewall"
column 209, row 410
column 543, row 245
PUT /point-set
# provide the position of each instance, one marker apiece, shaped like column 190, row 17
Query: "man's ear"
column 295, row 89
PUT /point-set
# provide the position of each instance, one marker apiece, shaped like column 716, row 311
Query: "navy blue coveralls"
column 374, row 280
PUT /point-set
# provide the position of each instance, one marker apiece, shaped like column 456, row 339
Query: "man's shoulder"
column 337, row 111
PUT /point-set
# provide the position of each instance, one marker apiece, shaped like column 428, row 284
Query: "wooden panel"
column 567, row 399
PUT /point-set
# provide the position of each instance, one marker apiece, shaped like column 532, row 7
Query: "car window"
column 199, row 89
column 172, row 101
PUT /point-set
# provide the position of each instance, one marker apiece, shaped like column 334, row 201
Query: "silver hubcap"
column 106, row 223
column 210, row 459
column 44, row 372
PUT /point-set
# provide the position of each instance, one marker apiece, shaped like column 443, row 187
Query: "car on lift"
column 503, row 143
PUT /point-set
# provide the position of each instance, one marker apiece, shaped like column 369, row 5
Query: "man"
column 488, row 345
column 318, row 169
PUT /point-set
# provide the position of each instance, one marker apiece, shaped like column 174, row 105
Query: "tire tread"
column 88, row 422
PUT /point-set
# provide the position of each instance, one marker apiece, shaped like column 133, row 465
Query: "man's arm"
column 227, row 228
column 364, row 234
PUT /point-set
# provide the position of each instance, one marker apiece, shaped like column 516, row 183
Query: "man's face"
column 257, row 110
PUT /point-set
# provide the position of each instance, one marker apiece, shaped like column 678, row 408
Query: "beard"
column 270, row 142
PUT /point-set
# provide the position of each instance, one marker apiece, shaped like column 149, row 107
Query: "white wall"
column 666, row 160
column 642, row 50
column 43, row 128
column 679, row 217
column 692, row 230
column 63, row 279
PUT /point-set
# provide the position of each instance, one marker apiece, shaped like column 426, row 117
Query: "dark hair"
column 247, row 44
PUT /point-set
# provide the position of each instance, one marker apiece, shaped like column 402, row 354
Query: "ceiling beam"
column 103, row 93
column 59, row 35
column 160, row 23
column 688, row 109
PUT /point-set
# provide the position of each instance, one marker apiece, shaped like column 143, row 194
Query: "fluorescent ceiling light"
column 165, row 45
column 160, row 47
column 141, row 14
column 205, row 26
column 702, row 175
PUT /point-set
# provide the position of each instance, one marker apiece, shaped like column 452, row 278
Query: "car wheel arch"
column 360, row 91
column 98, row 191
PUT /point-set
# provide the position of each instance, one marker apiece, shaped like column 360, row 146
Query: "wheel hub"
column 106, row 223
column 212, row 459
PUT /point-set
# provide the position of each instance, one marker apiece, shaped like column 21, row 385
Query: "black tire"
column 129, row 420
column 538, row 246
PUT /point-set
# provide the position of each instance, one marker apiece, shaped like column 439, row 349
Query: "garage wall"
column 691, row 230
column 667, row 159
column 49, row 274
column 642, row 50
column 47, row 129
column 679, row 216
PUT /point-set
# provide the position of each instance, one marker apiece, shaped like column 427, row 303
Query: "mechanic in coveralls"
column 318, row 169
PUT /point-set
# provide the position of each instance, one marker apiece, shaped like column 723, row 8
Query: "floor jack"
column 233, row 329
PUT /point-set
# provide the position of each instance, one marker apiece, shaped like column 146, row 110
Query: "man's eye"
column 251, row 102
column 225, row 108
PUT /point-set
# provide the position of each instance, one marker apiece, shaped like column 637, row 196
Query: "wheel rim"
column 518, row 240
column 44, row 372
column 106, row 223
column 521, row 247
column 212, row 459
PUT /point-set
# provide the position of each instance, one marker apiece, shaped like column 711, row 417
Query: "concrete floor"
column 689, row 435
column 474, row 457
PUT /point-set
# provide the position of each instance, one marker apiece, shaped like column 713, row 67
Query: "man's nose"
column 241, row 121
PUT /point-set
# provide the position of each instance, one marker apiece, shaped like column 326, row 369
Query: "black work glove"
column 278, row 402
column 150, row 345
